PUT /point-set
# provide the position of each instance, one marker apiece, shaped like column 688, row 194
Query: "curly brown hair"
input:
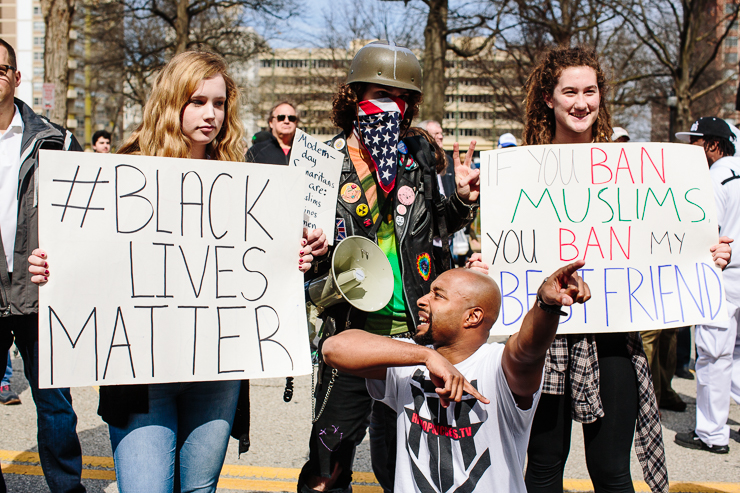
column 344, row 106
column 539, row 126
column 440, row 158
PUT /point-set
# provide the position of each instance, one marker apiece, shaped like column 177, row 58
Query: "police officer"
column 388, row 193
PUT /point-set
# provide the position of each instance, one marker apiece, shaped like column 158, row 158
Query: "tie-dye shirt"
column 390, row 319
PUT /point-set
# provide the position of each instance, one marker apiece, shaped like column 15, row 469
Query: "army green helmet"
column 384, row 63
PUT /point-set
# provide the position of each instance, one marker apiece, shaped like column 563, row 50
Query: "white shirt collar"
column 16, row 124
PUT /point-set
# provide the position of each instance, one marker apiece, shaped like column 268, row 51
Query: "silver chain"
column 315, row 418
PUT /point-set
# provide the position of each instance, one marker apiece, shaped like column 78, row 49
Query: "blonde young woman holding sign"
column 173, row 437
column 600, row 380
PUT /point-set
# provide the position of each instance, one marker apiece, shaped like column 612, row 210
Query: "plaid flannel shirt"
column 583, row 366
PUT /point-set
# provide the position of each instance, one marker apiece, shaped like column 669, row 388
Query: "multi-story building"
column 22, row 25
column 728, row 59
column 309, row 77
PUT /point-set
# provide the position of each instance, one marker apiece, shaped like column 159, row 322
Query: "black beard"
column 425, row 339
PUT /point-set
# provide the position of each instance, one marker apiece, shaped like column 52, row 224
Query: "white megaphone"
column 360, row 275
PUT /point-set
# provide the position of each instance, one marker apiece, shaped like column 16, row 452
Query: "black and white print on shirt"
column 444, row 439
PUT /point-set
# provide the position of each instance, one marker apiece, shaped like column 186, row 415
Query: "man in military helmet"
column 388, row 193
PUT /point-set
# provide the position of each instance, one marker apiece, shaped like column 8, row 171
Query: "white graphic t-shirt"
column 470, row 446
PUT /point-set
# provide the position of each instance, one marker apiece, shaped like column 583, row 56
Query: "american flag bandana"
column 377, row 127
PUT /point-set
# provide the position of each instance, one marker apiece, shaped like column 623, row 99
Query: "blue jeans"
column 8, row 372
column 180, row 444
column 59, row 447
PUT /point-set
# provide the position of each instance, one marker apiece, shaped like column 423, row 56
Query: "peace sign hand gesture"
column 467, row 180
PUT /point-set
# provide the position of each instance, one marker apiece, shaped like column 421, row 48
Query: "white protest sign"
column 642, row 215
column 323, row 166
column 169, row 270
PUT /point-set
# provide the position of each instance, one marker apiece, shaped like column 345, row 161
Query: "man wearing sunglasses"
column 283, row 121
column 22, row 134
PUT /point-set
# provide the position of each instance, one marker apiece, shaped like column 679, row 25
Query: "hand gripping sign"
column 169, row 270
column 323, row 166
column 642, row 215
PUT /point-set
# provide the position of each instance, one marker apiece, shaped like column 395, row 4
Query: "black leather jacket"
column 415, row 229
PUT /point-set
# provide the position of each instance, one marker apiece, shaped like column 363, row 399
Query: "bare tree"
column 156, row 30
column 479, row 19
column 58, row 16
column 684, row 38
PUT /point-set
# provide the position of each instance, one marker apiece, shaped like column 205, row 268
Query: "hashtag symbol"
column 74, row 181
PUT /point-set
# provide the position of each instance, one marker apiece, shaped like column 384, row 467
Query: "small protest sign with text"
column 323, row 166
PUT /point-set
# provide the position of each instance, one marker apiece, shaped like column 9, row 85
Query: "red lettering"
column 612, row 234
column 588, row 244
column 571, row 244
column 643, row 153
column 415, row 418
column 616, row 173
column 601, row 164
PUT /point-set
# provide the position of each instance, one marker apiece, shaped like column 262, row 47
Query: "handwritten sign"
column 169, row 270
column 323, row 166
column 642, row 215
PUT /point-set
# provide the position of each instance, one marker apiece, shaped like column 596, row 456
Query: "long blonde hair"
column 160, row 132
column 539, row 126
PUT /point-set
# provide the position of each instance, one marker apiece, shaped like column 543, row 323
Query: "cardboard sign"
column 642, row 215
column 323, row 166
column 169, row 270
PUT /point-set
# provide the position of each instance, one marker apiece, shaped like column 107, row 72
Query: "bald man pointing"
column 450, row 436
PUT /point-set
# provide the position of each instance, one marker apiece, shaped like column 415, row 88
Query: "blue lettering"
column 526, row 284
column 607, row 292
column 661, row 292
column 632, row 293
column 704, row 268
column 509, row 295
column 698, row 286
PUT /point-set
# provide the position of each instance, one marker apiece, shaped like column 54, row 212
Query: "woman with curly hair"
column 173, row 436
column 600, row 380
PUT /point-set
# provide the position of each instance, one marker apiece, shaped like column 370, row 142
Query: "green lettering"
column 686, row 196
column 659, row 202
column 598, row 195
column 522, row 192
column 588, row 205
column 619, row 207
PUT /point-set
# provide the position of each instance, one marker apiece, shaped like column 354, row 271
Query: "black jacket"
column 267, row 152
column 22, row 297
column 422, row 221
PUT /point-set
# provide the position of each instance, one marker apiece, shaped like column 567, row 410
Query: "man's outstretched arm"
column 369, row 356
column 524, row 355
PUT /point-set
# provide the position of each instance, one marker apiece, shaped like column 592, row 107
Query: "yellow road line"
column 253, row 478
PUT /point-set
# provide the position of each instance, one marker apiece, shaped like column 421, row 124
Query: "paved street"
column 279, row 446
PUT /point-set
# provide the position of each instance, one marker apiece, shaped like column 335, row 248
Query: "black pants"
column 341, row 427
column 683, row 347
column 608, row 440
column 59, row 447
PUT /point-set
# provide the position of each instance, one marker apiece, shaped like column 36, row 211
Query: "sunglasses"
column 4, row 69
column 291, row 118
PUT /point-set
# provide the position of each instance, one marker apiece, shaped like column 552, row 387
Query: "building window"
column 39, row 26
column 731, row 41
column 37, row 101
column 37, row 11
column 38, row 71
column 731, row 58
column 729, row 8
column 38, row 41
